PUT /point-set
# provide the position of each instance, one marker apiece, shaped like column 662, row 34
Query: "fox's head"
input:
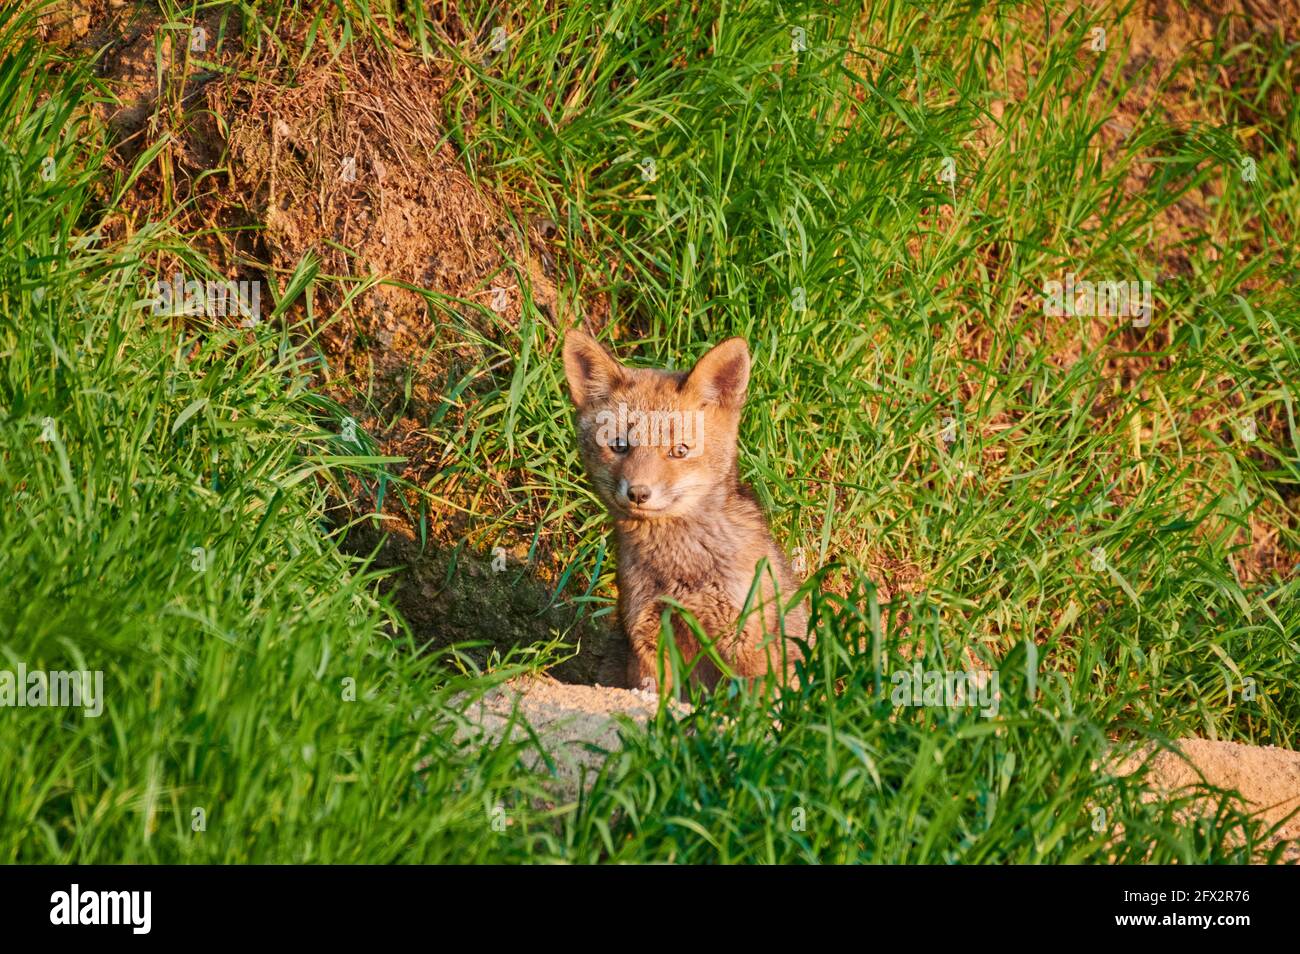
column 657, row 444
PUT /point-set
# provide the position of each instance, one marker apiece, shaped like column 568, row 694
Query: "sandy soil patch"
column 578, row 725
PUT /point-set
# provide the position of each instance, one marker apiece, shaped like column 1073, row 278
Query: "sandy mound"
column 1267, row 777
column 578, row 725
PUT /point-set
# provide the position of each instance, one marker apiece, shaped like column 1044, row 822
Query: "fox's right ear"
column 592, row 371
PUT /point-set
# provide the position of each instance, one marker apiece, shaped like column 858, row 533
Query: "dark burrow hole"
column 451, row 596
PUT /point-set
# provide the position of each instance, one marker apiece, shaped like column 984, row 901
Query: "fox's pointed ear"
column 592, row 371
column 722, row 375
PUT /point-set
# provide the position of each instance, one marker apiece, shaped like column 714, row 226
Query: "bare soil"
column 578, row 725
column 1267, row 777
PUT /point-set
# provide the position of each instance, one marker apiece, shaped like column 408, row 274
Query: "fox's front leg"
column 751, row 650
column 644, row 632
column 643, row 651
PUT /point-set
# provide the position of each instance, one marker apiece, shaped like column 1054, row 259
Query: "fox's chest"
column 642, row 586
column 703, row 579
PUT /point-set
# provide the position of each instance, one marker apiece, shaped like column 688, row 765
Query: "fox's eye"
column 678, row 452
column 619, row 445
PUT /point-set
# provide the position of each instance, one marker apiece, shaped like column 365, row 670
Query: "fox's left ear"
column 722, row 375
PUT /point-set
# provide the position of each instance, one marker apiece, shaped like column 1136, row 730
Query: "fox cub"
column 660, row 448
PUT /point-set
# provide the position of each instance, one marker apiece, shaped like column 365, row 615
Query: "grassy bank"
column 1100, row 510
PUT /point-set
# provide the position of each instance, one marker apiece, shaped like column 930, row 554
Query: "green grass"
column 796, row 201
column 1133, row 446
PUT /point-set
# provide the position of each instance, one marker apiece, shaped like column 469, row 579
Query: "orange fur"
column 660, row 448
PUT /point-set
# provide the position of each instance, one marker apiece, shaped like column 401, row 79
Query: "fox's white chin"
column 639, row 512
column 627, row 510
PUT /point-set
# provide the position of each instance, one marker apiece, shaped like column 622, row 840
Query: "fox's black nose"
column 638, row 493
